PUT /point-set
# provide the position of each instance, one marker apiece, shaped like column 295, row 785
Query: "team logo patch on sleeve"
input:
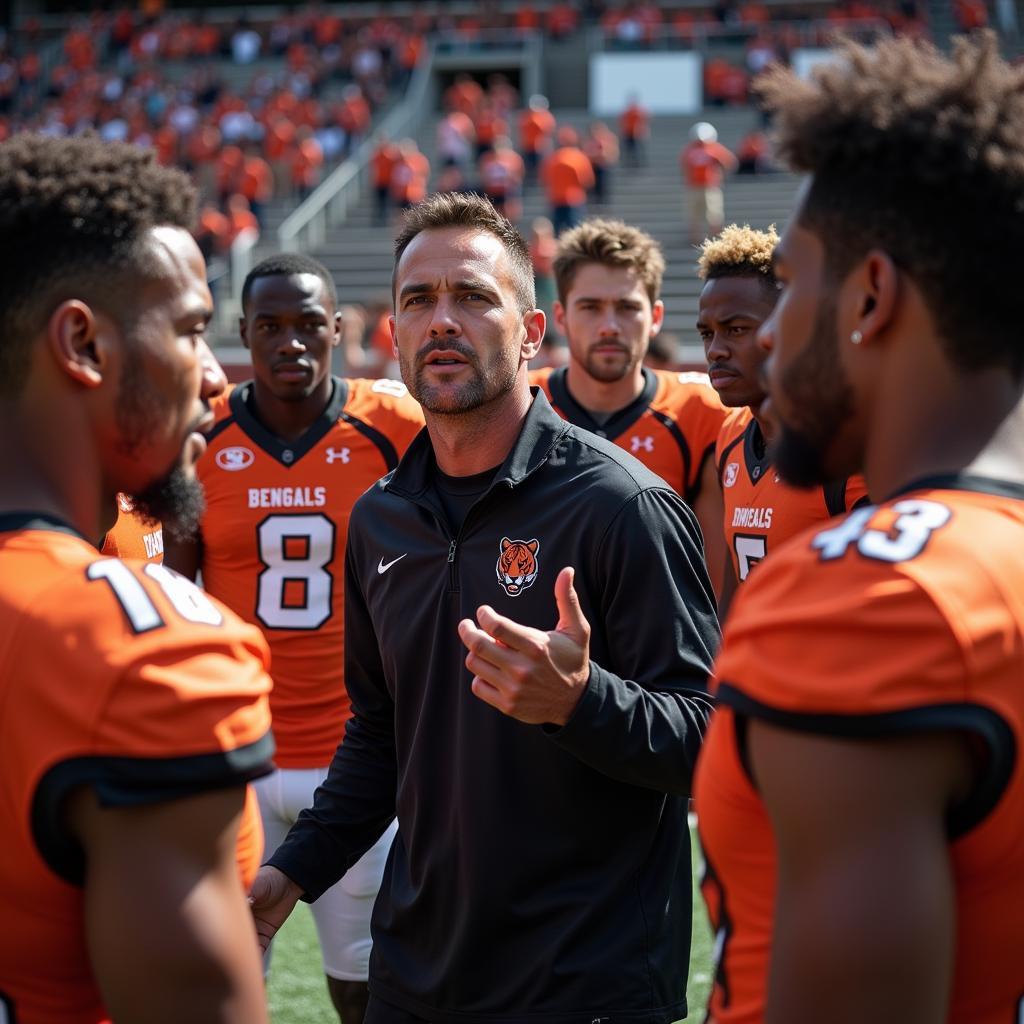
column 517, row 565
column 731, row 472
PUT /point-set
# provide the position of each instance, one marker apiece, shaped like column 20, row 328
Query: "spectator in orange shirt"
column 970, row 14
column 543, row 249
column 230, row 163
column 240, row 218
column 502, row 95
column 536, row 128
column 488, row 124
column 307, row 159
column 501, row 172
column 568, row 176
column 455, row 136
column 602, row 149
column 704, row 161
column 635, row 126
column 213, row 230
column 752, row 154
column 465, row 94
column 562, row 20
column 409, row 175
column 256, row 183
column 385, row 155
column 354, row 116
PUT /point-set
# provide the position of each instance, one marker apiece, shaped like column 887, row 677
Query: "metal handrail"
column 306, row 227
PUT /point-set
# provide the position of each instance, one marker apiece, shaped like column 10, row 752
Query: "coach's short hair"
column 284, row 265
column 467, row 210
column 611, row 243
column 739, row 252
column 72, row 213
column 920, row 155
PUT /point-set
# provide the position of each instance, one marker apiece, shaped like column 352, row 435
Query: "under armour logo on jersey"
column 637, row 444
column 333, row 454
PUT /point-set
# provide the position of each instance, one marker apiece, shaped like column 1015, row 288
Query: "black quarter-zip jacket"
column 539, row 873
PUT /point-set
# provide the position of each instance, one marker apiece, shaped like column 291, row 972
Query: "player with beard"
column 289, row 453
column 609, row 281
column 133, row 534
column 136, row 535
column 861, row 793
column 133, row 709
column 760, row 511
column 531, row 724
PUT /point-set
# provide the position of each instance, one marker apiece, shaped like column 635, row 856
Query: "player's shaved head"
column 920, row 155
column 73, row 216
column 285, row 265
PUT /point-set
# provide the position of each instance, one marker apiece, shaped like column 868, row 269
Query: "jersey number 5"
column 915, row 522
column 749, row 551
column 295, row 588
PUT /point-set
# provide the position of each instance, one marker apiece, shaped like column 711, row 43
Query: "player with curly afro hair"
column 861, row 789
column 71, row 218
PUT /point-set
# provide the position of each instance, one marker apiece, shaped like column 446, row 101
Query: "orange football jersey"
column 132, row 536
column 120, row 675
column 671, row 427
column 273, row 542
column 932, row 584
column 761, row 512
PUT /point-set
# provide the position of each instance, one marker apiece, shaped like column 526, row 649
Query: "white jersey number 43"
column 916, row 521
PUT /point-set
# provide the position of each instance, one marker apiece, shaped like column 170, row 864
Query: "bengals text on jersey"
column 133, row 536
column 119, row 675
column 760, row 511
column 942, row 614
column 273, row 539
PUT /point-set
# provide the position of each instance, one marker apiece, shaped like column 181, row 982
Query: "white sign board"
column 665, row 83
column 805, row 60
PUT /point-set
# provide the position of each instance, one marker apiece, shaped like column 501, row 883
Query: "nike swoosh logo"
column 382, row 566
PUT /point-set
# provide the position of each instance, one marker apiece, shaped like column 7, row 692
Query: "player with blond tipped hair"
column 759, row 511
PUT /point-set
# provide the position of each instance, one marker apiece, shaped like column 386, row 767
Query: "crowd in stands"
column 316, row 80
column 164, row 80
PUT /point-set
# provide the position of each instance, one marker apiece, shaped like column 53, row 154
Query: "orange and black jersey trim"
column 931, row 583
column 122, row 676
column 273, row 541
column 760, row 512
column 671, row 426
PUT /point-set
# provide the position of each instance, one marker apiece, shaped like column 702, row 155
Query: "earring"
column 856, row 338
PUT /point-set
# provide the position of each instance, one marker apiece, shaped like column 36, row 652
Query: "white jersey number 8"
column 296, row 550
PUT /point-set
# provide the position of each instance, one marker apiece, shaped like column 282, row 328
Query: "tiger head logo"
column 517, row 566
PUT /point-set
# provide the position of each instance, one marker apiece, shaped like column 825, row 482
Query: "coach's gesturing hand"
column 533, row 676
column 272, row 898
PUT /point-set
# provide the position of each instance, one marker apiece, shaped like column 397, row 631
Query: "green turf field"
column 298, row 994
